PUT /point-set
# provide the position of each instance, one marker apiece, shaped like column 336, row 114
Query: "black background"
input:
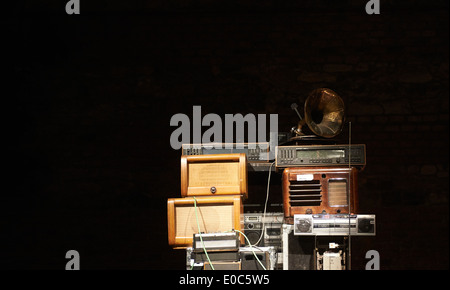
column 89, row 98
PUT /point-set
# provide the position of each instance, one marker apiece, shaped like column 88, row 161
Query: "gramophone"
column 324, row 114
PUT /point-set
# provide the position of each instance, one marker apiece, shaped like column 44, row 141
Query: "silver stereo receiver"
column 334, row 224
column 256, row 152
column 216, row 241
column 320, row 155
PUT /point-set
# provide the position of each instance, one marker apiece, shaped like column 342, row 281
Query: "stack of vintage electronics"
column 319, row 198
column 320, row 188
column 207, row 221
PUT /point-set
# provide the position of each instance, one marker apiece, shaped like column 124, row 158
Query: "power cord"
column 200, row 235
column 251, row 248
column 265, row 205
column 203, row 244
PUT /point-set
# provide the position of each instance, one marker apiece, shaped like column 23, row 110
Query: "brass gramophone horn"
column 324, row 113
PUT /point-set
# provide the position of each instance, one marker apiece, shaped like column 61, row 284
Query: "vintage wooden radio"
column 214, row 214
column 214, row 174
column 315, row 190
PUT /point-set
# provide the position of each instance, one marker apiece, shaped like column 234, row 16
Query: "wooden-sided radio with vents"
column 214, row 174
column 316, row 190
column 214, row 213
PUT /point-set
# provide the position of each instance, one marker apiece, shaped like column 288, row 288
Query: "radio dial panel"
column 320, row 155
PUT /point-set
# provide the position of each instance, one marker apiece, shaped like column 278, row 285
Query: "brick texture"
column 92, row 94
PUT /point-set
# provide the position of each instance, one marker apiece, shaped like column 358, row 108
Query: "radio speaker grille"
column 337, row 193
column 303, row 193
column 211, row 218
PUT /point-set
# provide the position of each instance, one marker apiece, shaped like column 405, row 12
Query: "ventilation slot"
column 305, row 193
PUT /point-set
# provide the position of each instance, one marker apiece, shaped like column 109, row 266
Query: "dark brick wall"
column 90, row 165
